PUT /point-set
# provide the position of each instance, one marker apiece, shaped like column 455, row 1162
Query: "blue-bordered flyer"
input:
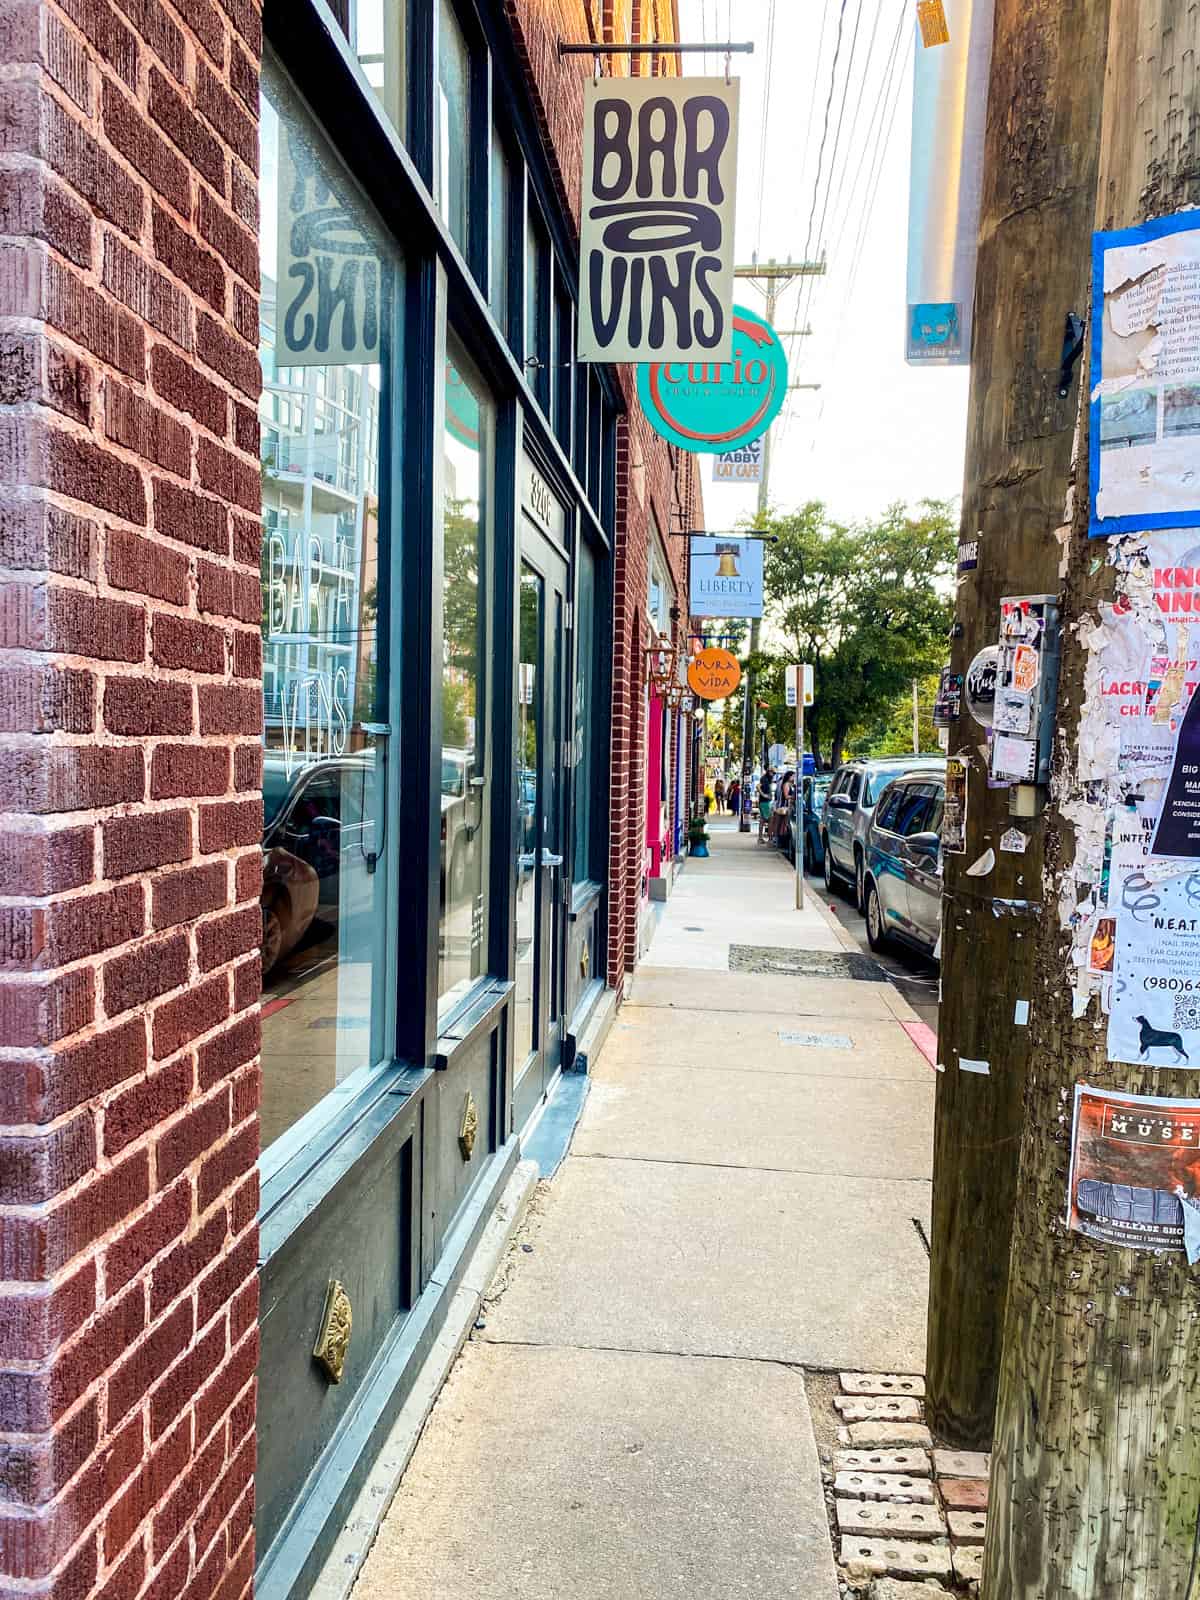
column 1144, row 456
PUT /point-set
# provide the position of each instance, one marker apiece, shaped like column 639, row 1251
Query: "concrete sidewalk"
column 741, row 1203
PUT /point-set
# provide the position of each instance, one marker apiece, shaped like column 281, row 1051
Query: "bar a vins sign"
column 659, row 168
column 330, row 291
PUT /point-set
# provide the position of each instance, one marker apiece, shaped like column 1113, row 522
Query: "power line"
column 766, row 116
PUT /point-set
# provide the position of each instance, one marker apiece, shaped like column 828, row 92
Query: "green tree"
column 869, row 604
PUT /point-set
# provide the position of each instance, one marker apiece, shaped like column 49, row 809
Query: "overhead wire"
column 886, row 124
column 883, row 102
column 766, row 118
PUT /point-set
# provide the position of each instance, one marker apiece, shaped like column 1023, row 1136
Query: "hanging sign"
column 713, row 673
column 726, row 576
column 1145, row 400
column 743, row 465
column 712, row 407
column 950, row 95
column 656, row 236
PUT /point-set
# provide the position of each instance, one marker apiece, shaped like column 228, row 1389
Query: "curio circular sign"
column 713, row 673
column 715, row 406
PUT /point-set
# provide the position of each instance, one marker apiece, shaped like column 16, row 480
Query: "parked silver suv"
column 849, row 807
column 904, row 863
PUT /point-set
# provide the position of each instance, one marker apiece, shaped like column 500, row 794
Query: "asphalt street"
column 914, row 975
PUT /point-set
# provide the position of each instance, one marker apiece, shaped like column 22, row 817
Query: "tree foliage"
column 869, row 604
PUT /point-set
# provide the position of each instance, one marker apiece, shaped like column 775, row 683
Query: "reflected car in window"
column 903, row 875
column 461, row 811
column 318, row 835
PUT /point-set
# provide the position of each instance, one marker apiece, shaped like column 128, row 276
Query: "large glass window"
column 585, row 710
column 377, row 35
column 454, row 123
column 501, row 233
column 537, row 307
column 328, row 285
column 462, row 949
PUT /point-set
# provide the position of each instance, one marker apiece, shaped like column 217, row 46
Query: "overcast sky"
column 878, row 430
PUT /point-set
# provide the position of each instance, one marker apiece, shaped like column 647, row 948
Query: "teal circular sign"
column 715, row 406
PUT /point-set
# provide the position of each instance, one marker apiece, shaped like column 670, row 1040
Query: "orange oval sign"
column 713, row 674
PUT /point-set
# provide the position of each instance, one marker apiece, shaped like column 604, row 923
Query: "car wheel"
column 877, row 936
column 827, row 869
column 272, row 939
column 860, row 884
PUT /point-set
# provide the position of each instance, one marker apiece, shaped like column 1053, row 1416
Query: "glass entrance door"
column 541, row 793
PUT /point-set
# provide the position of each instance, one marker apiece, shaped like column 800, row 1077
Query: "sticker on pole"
column 713, row 407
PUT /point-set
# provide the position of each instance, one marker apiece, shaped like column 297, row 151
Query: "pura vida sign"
column 659, row 170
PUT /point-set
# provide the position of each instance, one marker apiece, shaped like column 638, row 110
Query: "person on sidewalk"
column 766, row 790
column 719, row 795
column 735, row 797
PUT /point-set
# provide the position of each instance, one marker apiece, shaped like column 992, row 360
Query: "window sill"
column 476, row 1017
column 583, row 898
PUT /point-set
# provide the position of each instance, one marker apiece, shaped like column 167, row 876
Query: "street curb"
column 897, row 1004
column 357, row 1535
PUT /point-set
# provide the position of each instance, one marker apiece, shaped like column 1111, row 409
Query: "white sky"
column 878, row 430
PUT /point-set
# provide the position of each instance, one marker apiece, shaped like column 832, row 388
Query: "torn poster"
column 954, row 808
column 1145, row 399
column 1178, row 830
column 1155, row 1017
column 1135, row 1171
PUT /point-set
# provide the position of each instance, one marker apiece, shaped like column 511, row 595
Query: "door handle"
column 549, row 859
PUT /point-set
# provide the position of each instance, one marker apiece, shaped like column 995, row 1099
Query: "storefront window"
column 462, row 950
column 454, row 123
column 501, row 225
column 377, row 34
column 585, row 710
column 326, row 345
column 537, row 313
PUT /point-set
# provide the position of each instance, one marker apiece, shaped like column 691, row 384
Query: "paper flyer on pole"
column 1145, row 398
column 954, row 808
column 1155, row 1016
column 1135, row 1171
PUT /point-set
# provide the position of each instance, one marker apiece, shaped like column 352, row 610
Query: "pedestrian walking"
column 719, row 795
column 735, row 797
column 766, row 790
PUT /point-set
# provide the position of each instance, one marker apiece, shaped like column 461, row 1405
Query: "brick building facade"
column 164, row 1050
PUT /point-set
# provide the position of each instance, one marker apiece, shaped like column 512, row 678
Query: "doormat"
column 803, row 963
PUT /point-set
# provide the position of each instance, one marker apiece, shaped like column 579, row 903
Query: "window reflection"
column 377, row 35
column 528, row 702
column 585, row 699
column 454, row 123
column 464, row 848
column 324, row 349
column 501, row 225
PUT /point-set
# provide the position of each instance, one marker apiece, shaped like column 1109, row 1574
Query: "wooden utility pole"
column 1096, row 1471
column 1041, row 155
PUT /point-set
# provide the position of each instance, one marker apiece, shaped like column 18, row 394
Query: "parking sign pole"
column 798, row 822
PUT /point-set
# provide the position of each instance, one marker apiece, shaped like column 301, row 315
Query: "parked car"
column 317, row 827
column 903, row 879
column 856, row 787
column 816, row 792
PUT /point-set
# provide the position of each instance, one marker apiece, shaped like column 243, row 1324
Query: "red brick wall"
column 130, row 713
column 642, row 457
